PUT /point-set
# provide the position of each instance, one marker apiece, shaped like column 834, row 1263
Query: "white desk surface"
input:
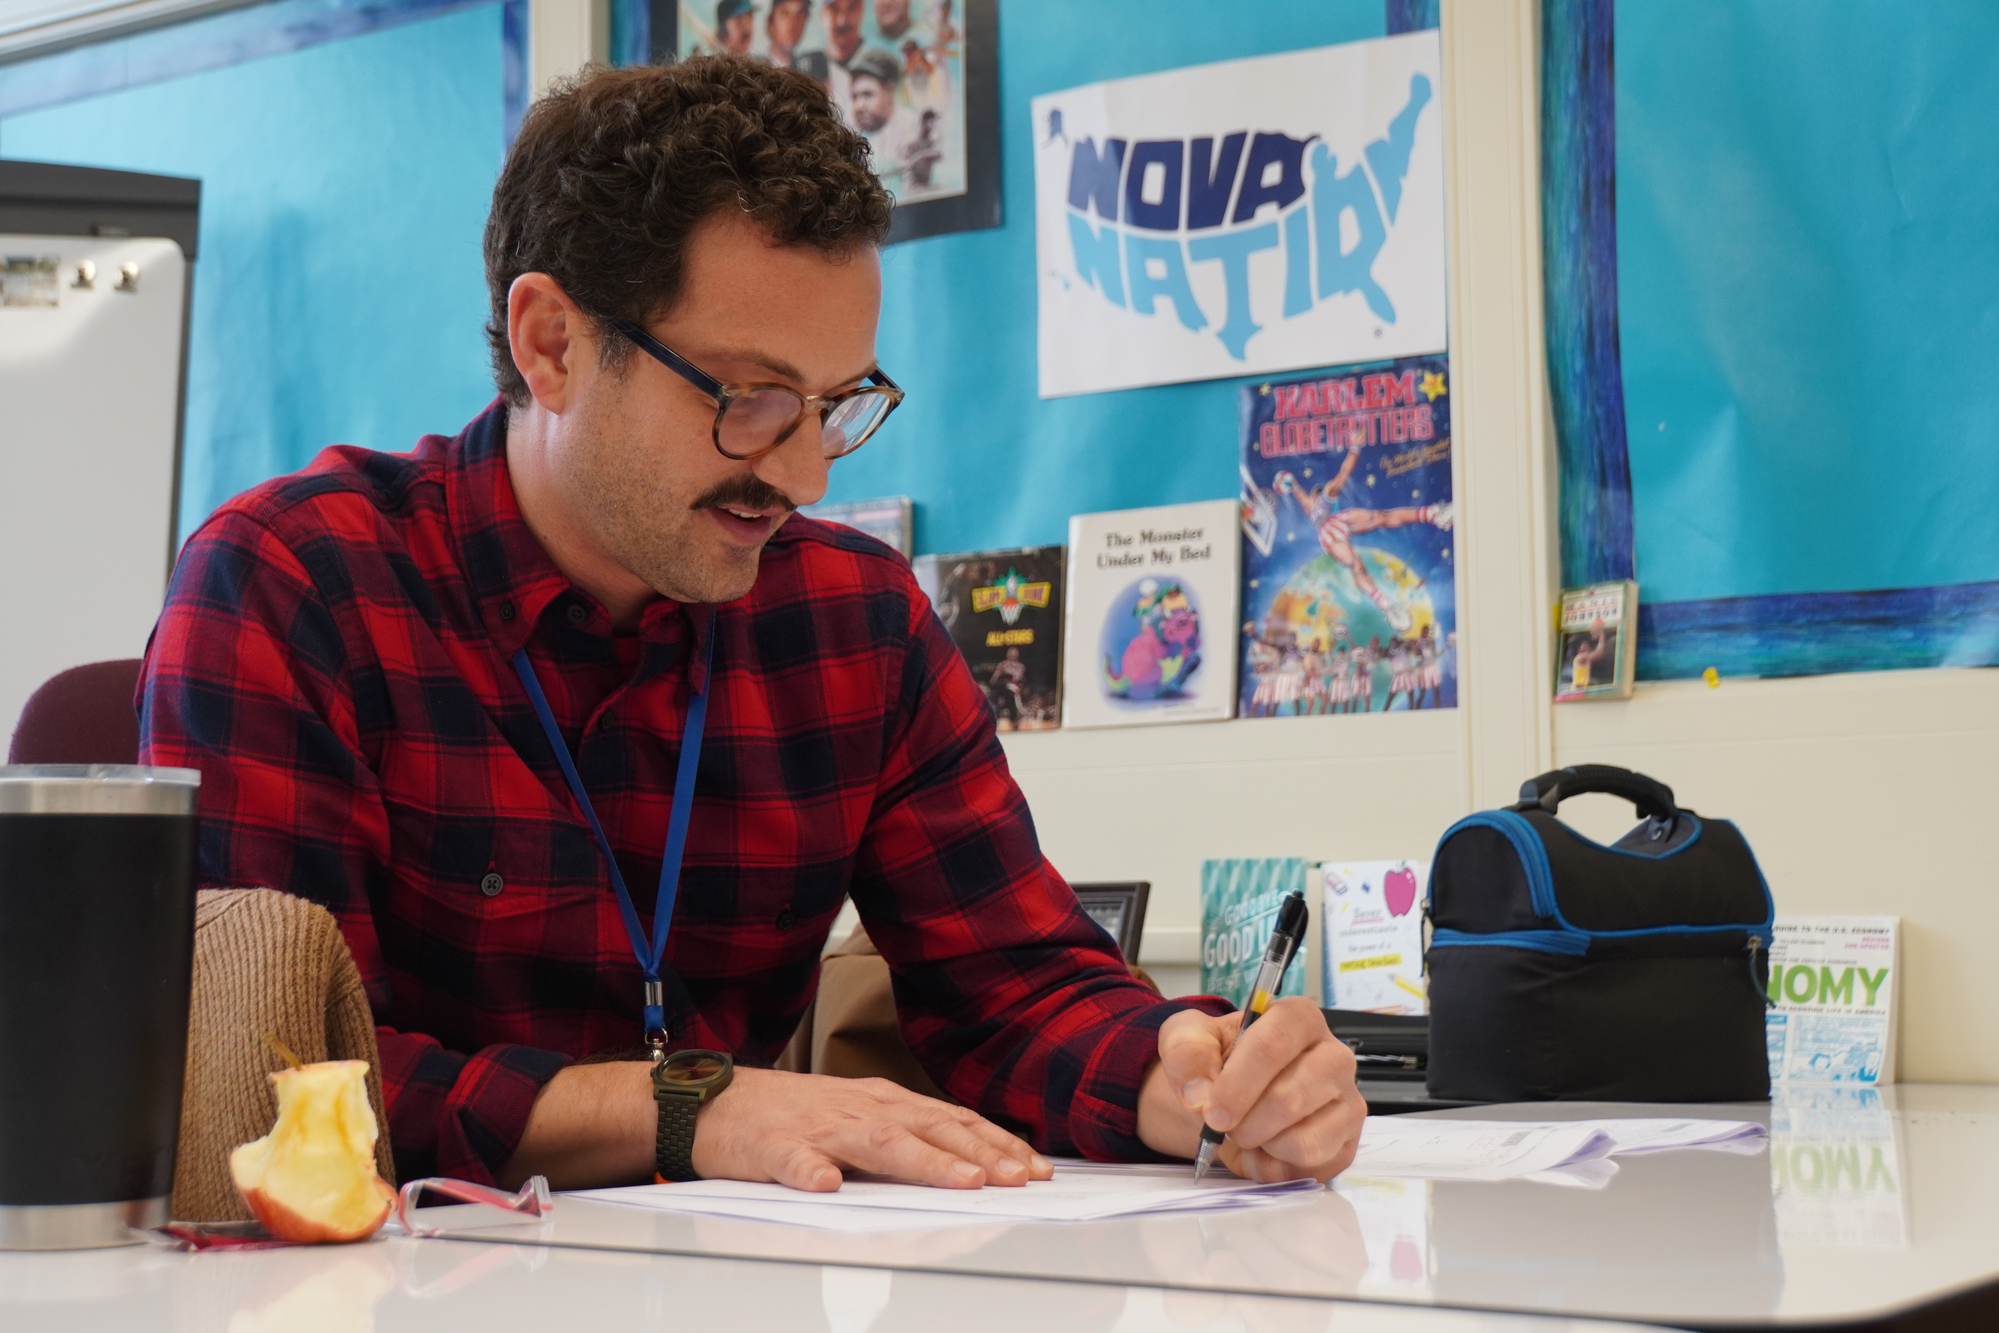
column 1862, row 1206
column 441, row 1286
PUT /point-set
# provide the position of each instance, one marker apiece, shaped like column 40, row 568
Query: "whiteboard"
column 89, row 406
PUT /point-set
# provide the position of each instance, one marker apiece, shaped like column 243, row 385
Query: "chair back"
column 84, row 715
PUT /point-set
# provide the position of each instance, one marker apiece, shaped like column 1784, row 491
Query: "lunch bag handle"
column 1653, row 798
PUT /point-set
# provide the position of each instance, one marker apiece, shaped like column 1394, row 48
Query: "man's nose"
column 797, row 467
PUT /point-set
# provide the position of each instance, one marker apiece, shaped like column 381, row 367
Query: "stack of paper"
column 1571, row 1152
column 1078, row 1193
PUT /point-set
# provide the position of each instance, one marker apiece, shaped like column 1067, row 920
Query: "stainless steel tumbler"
column 97, row 880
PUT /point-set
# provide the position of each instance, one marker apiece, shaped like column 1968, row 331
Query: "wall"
column 988, row 461
column 340, row 292
column 1860, row 793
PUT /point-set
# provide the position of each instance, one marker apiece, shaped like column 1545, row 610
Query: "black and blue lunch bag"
column 1561, row 968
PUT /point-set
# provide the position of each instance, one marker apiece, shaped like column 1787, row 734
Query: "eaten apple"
column 312, row 1178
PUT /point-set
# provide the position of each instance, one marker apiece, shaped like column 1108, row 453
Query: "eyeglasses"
column 753, row 419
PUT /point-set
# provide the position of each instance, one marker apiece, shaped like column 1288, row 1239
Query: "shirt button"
column 506, row 610
column 787, row 919
column 578, row 613
column 604, row 722
column 492, row 884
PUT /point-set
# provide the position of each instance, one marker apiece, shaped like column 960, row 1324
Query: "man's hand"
column 594, row 1125
column 1286, row 1100
column 801, row 1129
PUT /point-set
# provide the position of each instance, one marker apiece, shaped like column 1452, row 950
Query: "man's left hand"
column 1286, row 1100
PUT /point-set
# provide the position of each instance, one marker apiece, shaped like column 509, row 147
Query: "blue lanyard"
column 648, row 954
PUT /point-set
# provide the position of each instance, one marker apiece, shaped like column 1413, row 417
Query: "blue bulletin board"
column 347, row 153
column 1773, row 306
column 340, row 294
column 988, row 461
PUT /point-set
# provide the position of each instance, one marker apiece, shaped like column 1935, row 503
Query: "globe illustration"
column 1321, row 604
column 1150, row 649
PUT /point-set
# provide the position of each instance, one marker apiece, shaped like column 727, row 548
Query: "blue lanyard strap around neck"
column 650, row 953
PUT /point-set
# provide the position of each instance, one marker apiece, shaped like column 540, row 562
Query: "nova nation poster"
column 1349, row 594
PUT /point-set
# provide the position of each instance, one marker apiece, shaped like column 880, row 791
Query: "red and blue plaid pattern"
column 334, row 658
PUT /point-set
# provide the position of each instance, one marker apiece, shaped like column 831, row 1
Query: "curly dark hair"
column 614, row 168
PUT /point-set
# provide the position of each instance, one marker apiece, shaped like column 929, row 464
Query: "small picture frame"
column 1119, row 909
column 930, row 114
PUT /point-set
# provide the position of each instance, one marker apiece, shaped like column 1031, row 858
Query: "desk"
column 444, row 1286
column 1867, row 1206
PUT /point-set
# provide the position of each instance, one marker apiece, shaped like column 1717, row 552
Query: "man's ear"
column 550, row 337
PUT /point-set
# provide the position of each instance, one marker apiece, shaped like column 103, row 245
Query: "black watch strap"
column 673, row 1148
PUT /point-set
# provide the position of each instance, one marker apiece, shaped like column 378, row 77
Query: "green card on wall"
column 1239, row 900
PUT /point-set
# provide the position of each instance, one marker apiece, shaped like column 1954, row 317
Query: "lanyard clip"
column 655, row 1019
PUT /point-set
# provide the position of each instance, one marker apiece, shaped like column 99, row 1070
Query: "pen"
column 1284, row 942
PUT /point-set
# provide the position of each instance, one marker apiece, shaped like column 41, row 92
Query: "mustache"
column 745, row 492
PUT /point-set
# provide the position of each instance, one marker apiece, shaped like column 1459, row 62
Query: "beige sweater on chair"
column 264, row 962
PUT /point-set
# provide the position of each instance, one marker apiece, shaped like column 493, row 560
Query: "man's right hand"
column 594, row 1125
column 801, row 1130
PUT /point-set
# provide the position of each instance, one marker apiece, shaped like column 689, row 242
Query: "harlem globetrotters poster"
column 1348, row 591
column 1241, row 218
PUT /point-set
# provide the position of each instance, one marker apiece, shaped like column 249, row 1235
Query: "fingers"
column 1191, row 1046
column 962, row 1140
column 1318, row 1076
column 1320, row 1146
column 898, row 1133
column 1286, row 1029
column 1286, row 1096
column 796, row 1163
column 1011, row 1147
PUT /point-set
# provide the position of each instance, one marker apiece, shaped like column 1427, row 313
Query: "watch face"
column 692, row 1069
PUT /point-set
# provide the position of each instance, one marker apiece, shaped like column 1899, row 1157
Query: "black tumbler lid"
column 97, row 789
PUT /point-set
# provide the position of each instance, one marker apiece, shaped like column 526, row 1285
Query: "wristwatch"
column 680, row 1084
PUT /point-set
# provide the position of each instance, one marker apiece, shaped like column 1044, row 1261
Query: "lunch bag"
column 1562, row 968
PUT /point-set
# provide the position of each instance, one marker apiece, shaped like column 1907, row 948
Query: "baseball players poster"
column 895, row 69
column 1241, row 218
column 1349, row 594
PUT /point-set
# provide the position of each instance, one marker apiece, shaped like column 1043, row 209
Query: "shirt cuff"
column 458, row 1115
column 1103, row 1117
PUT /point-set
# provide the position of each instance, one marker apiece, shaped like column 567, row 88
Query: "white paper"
column 1472, row 1149
column 870, row 1204
column 1559, row 1152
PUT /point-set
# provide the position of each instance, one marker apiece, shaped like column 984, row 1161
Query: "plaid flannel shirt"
column 335, row 658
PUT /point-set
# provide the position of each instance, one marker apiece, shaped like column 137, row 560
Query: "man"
column 891, row 18
column 1590, row 650
column 892, row 131
column 843, row 28
column 1337, row 528
column 736, row 25
column 785, row 29
column 407, row 679
column 1003, row 690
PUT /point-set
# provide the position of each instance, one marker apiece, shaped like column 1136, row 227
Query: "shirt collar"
column 511, row 577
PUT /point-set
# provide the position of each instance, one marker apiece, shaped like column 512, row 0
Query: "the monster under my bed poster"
column 1349, row 599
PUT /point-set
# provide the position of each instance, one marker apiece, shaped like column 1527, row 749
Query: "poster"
column 1004, row 611
column 895, row 70
column 1239, row 902
column 1832, row 999
column 1150, row 623
column 1242, row 217
column 1349, row 595
column 1373, row 921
